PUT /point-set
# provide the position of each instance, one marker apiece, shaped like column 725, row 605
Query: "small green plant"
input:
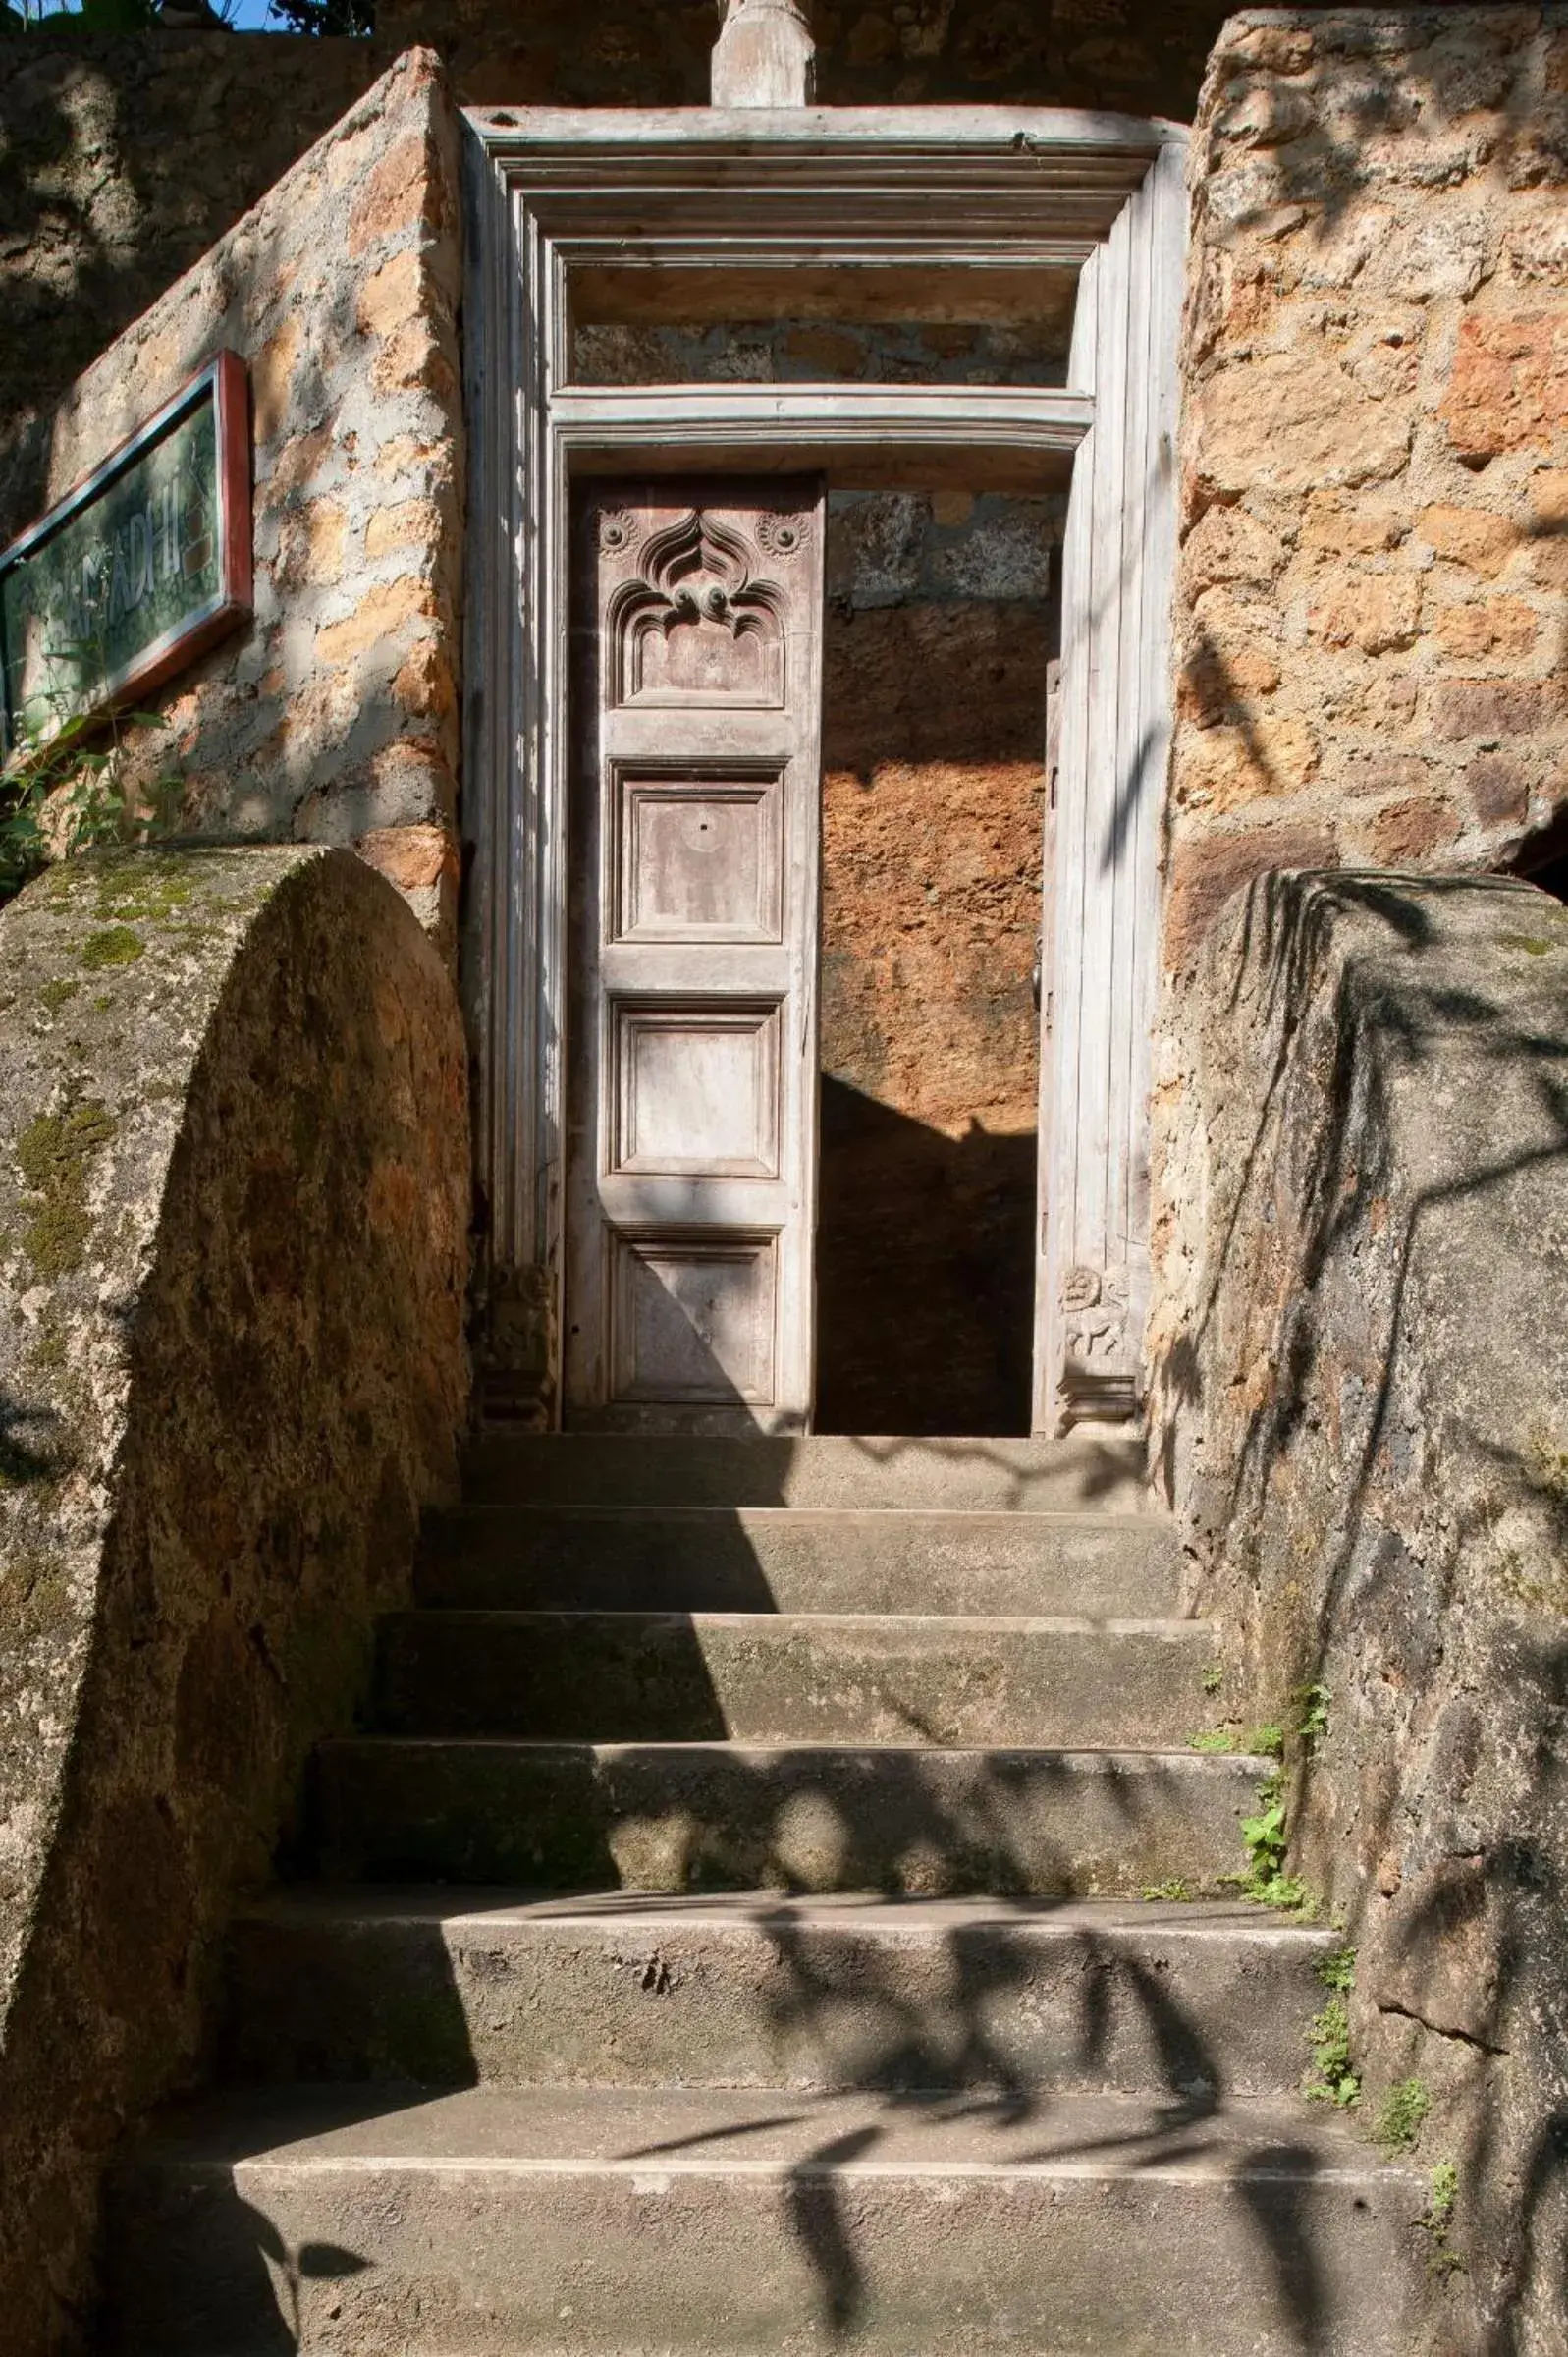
column 1337, row 1969
column 64, row 792
column 1175, row 1888
column 1213, row 1677
column 1262, row 1742
column 1442, row 2192
column 1405, row 2107
column 1312, row 1714
column 1264, row 1834
column 1329, row 2077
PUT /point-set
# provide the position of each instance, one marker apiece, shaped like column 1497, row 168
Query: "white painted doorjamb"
column 694, row 191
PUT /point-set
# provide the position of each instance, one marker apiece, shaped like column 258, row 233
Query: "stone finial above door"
column 764, row 55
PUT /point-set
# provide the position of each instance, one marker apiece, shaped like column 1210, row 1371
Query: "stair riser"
column 794, row 2005
column 500, row 2262
column 674, row 1819
column 647, row 1678
column 1084, row 1473
column 755, row 1560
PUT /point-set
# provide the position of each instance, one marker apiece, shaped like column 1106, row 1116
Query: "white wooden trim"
column 1117, row 576
column 847, row 188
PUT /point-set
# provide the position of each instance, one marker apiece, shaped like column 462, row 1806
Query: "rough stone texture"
column 121, row 161
column 1370, row 616
column 1364, row 1423
column 233, row 1214
column 941, row 626
column 1374, row 435
column 333, row 716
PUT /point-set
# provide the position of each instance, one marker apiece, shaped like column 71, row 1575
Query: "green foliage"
column 1405, row 2107
column 1265, row 1839
column 1312, row 1714
column 326, row 18
column 1338, row 1970
column 1175, row 1888
column 1329, row 2077
column 1213, row 1677
column 1265, row 1743
column 64, row 794
column 1442, row 2196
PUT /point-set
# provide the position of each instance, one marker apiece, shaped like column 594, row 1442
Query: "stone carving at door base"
column 1098, row 1373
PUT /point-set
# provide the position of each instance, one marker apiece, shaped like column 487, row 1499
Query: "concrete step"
column 786, row 1677
column 800, row 1559
column 760, row 1990
column 603, row 2223
column 805, row 1817
column 1092, row 1472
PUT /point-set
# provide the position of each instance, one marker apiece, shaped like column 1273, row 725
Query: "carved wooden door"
column 692, row 1048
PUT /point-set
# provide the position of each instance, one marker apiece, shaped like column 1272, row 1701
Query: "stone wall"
column 121, row 160
column 234, row 1191
column 333, row 716
column 1366, row 1425
column 1371, row 614
column 941, row 623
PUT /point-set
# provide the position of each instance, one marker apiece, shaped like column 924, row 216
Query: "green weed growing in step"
column 1442, row 2192
column 1262, row 1742
column 1175, row 1889
column 1213, row 1677
column 1265, row 1838
column 1329, row 2077
column 1405, row 2107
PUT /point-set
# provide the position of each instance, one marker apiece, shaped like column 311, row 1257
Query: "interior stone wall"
column 1372, row 647
column 941, row 621
column 332, row 716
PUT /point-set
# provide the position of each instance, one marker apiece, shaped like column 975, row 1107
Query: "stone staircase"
column 729, row 1938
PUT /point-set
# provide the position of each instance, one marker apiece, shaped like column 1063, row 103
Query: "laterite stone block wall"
column 1370, row 612
column 333, row 716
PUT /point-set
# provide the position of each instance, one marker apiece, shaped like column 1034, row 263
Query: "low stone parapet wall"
column 1364, row 1419
column 234, row 1198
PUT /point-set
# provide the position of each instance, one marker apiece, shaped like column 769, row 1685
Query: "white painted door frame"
column 667, row 200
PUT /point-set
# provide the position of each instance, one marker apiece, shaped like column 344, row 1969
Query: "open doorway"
column 943, row 616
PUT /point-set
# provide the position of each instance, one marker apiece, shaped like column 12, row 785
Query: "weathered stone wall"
column 333, row 716
column 941, row 623
column 233, row 1189
column 121, row 160
column 1374, row 1372
column 1370, row 608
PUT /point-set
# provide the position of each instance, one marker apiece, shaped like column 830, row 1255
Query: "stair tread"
column 483, row 1907
column 723, row 1748
column 763, row 2132
column 963, row 1625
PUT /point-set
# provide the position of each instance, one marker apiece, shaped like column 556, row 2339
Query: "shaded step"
column 677, row 1816
column 800, row 1559
column 1100, row 1472
column 760, row 1990
column 514, row 2223
column 673, row 1677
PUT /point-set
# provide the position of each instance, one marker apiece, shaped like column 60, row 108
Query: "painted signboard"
column 137, row 570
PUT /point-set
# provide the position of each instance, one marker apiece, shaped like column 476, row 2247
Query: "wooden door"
column 692, row 1015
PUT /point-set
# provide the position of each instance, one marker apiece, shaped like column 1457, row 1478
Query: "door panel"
column 692, row 1055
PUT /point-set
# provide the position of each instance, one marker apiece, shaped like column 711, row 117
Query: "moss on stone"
column 55, row 994
column 115, row 945
column 52, row 1154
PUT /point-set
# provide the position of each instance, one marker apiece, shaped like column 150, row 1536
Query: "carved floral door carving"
column 692, row 1016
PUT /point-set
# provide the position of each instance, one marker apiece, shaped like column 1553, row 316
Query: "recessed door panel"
column 692, row 1026
column 699, row 860
column 696, row 1091
column 694, row 1321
